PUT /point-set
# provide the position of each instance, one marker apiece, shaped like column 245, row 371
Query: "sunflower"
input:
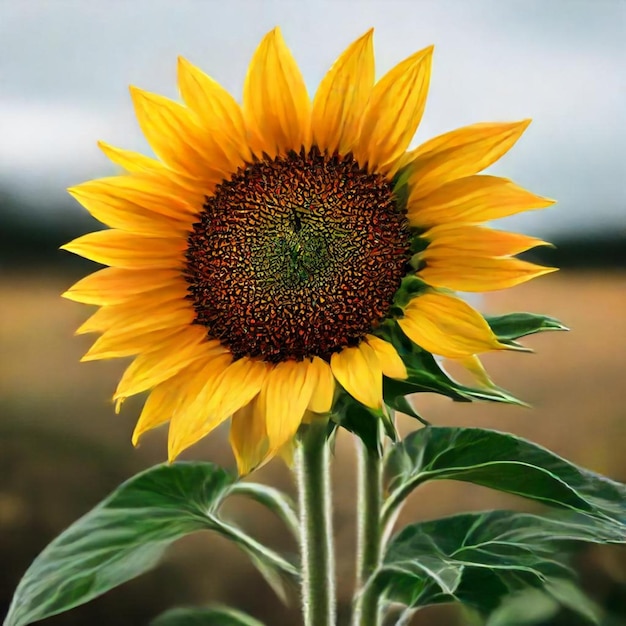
column 252, row 265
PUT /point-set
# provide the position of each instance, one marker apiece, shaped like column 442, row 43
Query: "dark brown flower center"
column 296, row 256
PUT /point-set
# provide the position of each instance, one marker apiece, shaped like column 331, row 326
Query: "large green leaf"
column 523, row 608
column 211, row 616
column 503, row 462
column 534, row 606
column 126, row 535
column 480, row 558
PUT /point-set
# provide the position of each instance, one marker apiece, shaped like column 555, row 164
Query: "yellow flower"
column 252, row 263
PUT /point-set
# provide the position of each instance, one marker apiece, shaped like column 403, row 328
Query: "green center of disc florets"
column 296, row 256
column 302, row 249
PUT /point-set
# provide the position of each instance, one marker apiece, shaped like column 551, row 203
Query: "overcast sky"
column 65, row 67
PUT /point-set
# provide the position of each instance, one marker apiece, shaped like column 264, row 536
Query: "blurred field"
column 63, row 447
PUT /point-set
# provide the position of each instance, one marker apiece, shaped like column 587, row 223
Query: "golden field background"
column 64, row 449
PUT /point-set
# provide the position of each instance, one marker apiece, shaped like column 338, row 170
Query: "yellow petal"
column 175, row 135
column 288, row 452
column 342, row 97
column 283, row 400
column 445, row 325
column 472, row 199
column 461, row 257
column 155, row 309
column 394, row 112
column 459, row 153
column 359, row 372
column 324, row 387
column 481, row 274
column 157, row 410
column 148, row 169
column 222, row 395
column 473, row 365
column 237, row 385
column 469, row 240
column 152, row 368
column 113, row 285
column 131, row 161
column 276, row 105
column 389, row 359
column 137, row 195
column 188, row 418
column 128, row 250
column 112, row 345
column 123, row 214
column 248, row 438
column 216, row 109
column 162, row 402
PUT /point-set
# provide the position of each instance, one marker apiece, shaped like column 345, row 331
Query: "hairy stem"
column 316, row 543
column 369, row 535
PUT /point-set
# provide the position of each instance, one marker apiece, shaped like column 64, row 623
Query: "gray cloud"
column 65, row 67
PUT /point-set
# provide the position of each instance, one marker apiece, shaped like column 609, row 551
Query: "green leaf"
column 503, row 462
column 212, row 616
column 572, row 597
column 126, row 535
column 525, row 607
column 512, row 326
column 532, row 606
column 479, row 558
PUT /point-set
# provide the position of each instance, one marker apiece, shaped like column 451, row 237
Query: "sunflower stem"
column 369, row 535
column 316, row 547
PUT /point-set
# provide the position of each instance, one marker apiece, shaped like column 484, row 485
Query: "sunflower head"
column 288, row 260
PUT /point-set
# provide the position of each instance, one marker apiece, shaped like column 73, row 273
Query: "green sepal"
column 399, row 402
column 388, row 423
column 411, row 286
column 480, row 558
column 126, row 535
column 417, row 244
column 367, row 424
column 209, row 616
column 400, row 185
column 425, row 375
column 512, row 326
column 503, row 462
